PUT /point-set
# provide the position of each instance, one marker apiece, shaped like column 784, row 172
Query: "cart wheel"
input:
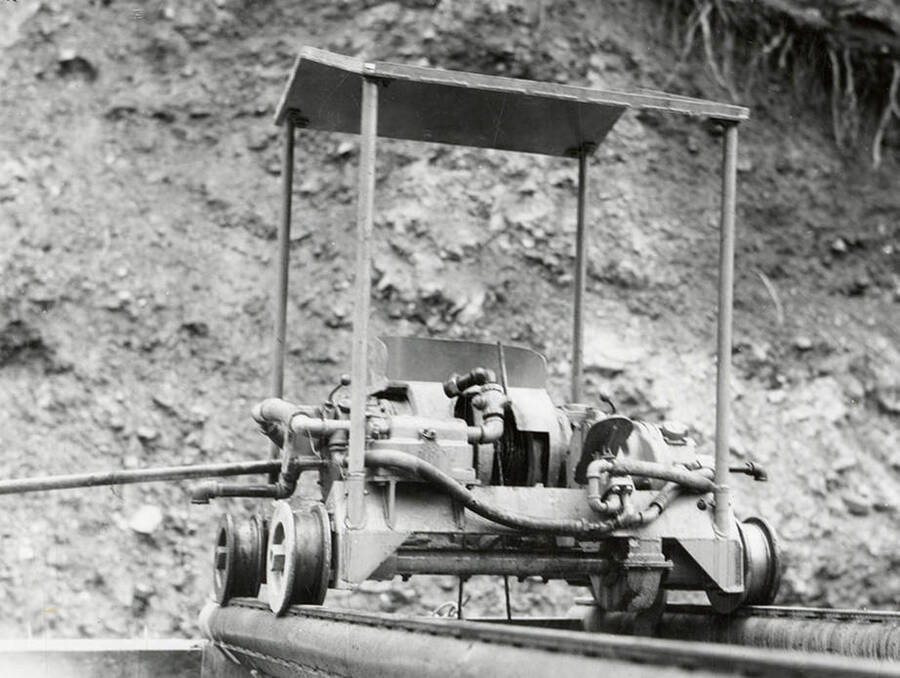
column 298, row 566
column 762, row 568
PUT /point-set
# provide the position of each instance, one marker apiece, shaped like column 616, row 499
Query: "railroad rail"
column 321, row 642
column 867, row 634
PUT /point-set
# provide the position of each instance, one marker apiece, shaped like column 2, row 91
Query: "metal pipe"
column 476, row 562
column 291, row 468
column 203, row 492
column 368, row 130
column 693, row 480
column 726, row 298
column 492, row 402
column 295, row 418
column 131, row 476
column 284, row 257
column 329, row 641
column 580, row 275
column 595, row 500
column 489, row 432
column 274, row 410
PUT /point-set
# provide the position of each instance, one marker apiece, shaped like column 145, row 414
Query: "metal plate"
column 430, row 104
column 416, row 359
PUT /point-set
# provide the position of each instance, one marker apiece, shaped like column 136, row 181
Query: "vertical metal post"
column 284, row 258
column 580, row 275
column 726, row 295
column 359, row 359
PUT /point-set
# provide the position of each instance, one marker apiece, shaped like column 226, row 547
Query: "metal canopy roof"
column 452, row 107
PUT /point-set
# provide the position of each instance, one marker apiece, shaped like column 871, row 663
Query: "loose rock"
column 146, row 520
column 857, row 505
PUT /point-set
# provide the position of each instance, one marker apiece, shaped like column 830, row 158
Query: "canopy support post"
column 580, row 275
column 726, row 298
column 359, row 359
column 284, row 258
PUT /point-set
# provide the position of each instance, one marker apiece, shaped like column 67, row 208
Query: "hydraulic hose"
column 457, row 491
column 657, row 505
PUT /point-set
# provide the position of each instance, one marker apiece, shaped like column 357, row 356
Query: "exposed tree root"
column 846, row 45
column 776, row 299
column 891, row 109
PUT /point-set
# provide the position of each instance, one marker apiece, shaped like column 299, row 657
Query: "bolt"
column 701, row 504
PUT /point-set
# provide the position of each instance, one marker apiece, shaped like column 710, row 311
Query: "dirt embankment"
column 138, row 188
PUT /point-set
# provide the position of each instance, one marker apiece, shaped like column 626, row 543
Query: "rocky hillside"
column 139, row 194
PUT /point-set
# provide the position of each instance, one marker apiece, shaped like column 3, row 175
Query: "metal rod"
column 580, row 275
column 501, row 358
column 359, row 359
column 506, row 595
column 465, row 563
column 726, row 297
column 284, row 258
column 130, row 476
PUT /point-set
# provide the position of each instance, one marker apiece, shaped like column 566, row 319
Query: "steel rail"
column 324, row 642
column 852, row 633
column 795, row 612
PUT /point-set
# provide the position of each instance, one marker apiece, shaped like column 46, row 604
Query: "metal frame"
column 359, row 351
column 371, row 74
column 580, row 275
column 284, row 262
column 725, row 312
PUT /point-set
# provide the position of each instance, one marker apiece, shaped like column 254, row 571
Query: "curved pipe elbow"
column 201, row 493
column 607, row 507
column 273, row 410
column 489, row 432
column 597, row 468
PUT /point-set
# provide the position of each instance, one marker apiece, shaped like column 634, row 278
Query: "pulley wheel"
column 762, row 568
column 298, row 565
column 239, row 558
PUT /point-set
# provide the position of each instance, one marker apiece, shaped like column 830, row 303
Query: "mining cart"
column 439, row 457
column 449, row 457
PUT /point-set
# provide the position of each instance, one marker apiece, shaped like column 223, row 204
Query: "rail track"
column 322, row 642
column 853, row 633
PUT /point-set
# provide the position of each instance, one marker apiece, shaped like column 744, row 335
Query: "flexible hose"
column 458, row 492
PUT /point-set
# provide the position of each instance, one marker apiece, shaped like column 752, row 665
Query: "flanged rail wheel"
column 762, row 568
column 298, row 564
column 239, row 558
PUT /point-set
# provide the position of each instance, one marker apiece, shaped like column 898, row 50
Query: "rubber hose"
column 460, row 493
